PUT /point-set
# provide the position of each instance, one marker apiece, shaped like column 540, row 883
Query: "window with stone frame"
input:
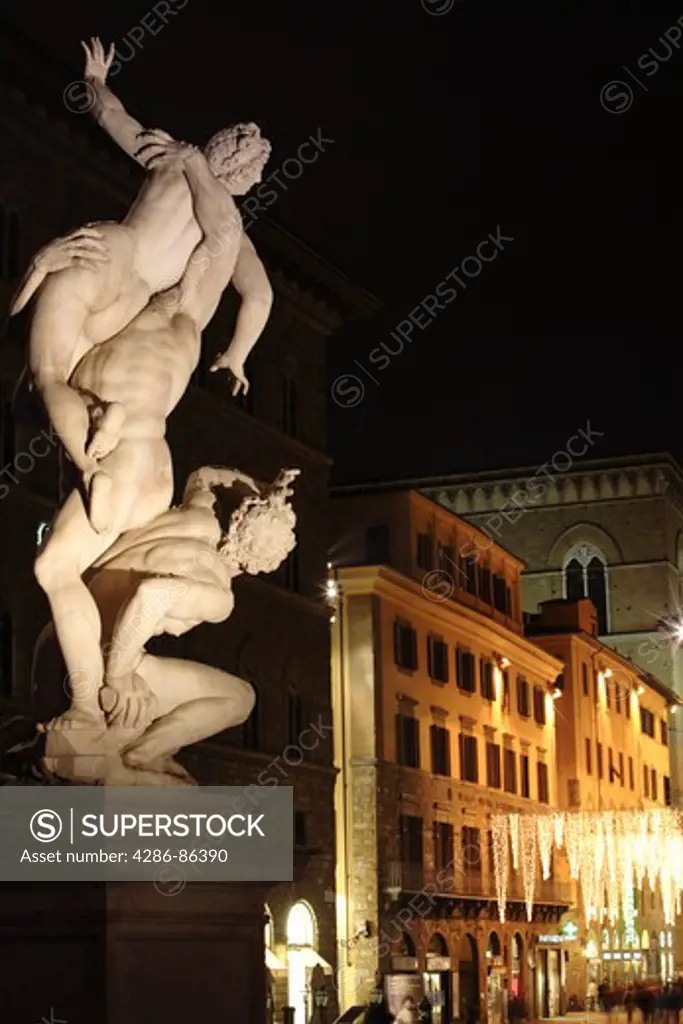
column 407, row 739
column 585, row 575
column 469, row 764
column 543, row 784
column 465, row 670
column 442, row 837
column 437, row 659
column 486, row 679
column 539, row 705
column 405, row 645
column 509, row 770
column 440, row 743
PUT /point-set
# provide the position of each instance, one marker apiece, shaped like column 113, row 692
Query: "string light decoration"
column 529, row 855
column 501, row 860
column 610, row 853
column 558, row 822
column 514, row 839
column 546, row 830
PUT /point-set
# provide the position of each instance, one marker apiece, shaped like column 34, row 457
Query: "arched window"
column 437, row 945
column 585, row 575
column 516, row 965
column 6, row 657
column 573, row 575
column 406, row 946
column 596, row 589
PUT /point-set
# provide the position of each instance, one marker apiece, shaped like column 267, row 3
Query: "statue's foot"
column 108, row 433
column 101, row 488
column 74, row 718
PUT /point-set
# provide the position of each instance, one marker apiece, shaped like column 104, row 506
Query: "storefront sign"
column 552, row 938
column 404, row 963
column 438, row 963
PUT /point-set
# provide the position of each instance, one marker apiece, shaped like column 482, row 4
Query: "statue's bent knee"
column 48, row 571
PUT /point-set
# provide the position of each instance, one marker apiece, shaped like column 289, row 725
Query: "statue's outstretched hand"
column 224, row 361
column 159, row 149
column 97, row 62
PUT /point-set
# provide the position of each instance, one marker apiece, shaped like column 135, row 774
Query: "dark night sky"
column 446, row 127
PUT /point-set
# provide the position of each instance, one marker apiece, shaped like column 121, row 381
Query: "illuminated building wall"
column 444, row 714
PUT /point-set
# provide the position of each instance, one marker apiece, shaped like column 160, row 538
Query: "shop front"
column 549, row 976
column 437, row 980
column 496, row 976
column 465, row 995
column 404, row 978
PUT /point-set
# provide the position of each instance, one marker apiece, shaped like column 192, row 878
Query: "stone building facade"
column 611, row 529
column 57, row 171
column 444, row 715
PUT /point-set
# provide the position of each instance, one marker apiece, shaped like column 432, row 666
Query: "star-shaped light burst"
column 672, row 629
column 53, row 1019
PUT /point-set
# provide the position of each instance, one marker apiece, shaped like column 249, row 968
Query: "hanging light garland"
column 529, row 847
column 609, row 852
column 545, row 827
column 558, row 822
column 501, row 860
column 514, row 839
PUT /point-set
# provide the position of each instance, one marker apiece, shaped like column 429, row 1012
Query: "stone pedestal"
column 128, row 953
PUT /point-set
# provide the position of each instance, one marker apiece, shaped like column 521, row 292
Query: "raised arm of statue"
column 223, row 254
column 107, row 109
column 251, row 282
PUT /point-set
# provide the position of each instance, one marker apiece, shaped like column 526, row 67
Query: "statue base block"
column 132, row 953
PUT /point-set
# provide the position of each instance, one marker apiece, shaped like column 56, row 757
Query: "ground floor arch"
column 516, row 986
column 438, row 979
column 468, row 978
column 301, row 947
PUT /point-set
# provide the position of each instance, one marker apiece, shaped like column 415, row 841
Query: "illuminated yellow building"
column 613, row 722
column 444, row 714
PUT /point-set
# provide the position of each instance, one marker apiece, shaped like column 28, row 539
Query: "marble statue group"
column 117, row 312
